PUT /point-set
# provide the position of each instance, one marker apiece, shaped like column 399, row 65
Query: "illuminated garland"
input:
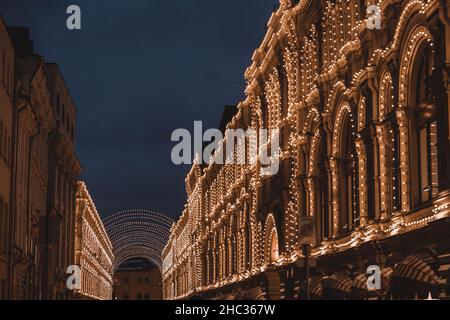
column 138, row 233
column 93, row 249
column 205, row 235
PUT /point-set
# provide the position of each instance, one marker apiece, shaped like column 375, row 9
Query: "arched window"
column 274, row 250
column 58, row 105
column 425, row 187
column 210, row 276
column 217, row 258
column 362, row 8
column 271, row 241
column 323, row 194
column 248, row 244
column 389, row 146
column 233, row 254
column 264, row 111
column 303, row 183
column 226, row 258
column 349, row 178
column 283, row 87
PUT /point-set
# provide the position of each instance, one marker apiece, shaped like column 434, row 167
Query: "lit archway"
column 272, row 251
column 138, row 234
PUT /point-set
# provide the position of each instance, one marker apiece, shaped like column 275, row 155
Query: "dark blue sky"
column 137, row 70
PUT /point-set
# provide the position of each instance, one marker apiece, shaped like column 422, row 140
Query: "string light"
column 291, row 70
column 93, row 249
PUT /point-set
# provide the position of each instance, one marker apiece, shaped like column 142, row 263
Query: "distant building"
column 137, row 279
column 93, row 250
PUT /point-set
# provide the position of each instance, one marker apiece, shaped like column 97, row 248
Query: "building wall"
column 93, row 250
column 39, row 171
column 34, row 122
column 64, row 168
column 6, row 158
column 138, row 285
column 364, row 138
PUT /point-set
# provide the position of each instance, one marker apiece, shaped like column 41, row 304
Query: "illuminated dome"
column 138, row 234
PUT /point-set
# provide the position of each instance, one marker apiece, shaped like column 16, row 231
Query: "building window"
column 2, row 289
column 395, row 170
column 139, row 296
column 58, row 105
column 4, row 67
column 322, row 194
column 72, row 133
column 248, row 244
column 1, row 138
column 425, row 135
column 217, row 259
column 3, row 227
column 284, row 89
column 349, row 181
column 274, row 250
column 11, row 80
column 233, row 254
column 146, row 296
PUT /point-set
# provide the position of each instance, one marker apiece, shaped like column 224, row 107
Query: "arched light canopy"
column 138, row 234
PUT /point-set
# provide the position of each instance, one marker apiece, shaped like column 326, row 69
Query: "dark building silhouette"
column 38, row 172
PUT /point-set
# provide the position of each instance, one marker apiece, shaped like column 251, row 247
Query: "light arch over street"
column 138, row 234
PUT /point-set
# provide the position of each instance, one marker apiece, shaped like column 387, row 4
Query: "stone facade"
column 364, row 130
column 139, row 283
column 6, row 156
column 39, row 172
column 93, row 250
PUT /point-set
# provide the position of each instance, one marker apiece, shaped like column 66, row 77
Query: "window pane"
column 434, row 158
column 2, row 232
column 423, row 156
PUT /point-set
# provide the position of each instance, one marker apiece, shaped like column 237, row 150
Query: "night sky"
column 138, row 70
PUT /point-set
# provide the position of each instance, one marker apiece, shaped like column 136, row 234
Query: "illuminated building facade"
column 38, row 120
column 93, row 250
column 364, row 129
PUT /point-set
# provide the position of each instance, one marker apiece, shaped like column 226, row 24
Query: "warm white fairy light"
column 320, row 102
column 93, row 249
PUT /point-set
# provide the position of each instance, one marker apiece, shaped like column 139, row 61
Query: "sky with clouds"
column 138, row 70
